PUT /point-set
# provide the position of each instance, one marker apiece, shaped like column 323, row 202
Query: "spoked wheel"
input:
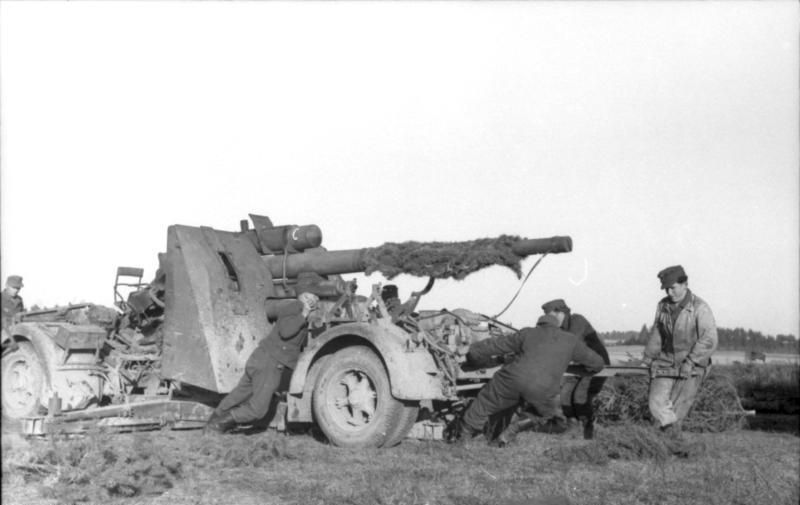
column 23, row 381
column 353, row 404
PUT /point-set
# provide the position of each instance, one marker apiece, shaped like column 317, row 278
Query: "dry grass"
column 628, row 463
column 625, row 465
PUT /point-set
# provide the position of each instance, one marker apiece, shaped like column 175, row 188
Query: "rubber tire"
column 24, row 354
column 406, row 420
column 388, row 412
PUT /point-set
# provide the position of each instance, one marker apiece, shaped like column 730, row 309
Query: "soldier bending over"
column 577, row 393
column 543, row 354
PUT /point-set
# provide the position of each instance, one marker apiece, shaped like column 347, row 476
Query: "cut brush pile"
column 717, row 408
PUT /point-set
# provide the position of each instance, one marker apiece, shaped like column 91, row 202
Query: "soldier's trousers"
column 501, row 393
column 250, row 399
column 577, row 394
column 670, row 399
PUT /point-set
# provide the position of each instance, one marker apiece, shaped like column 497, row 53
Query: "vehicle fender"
column 412, row 373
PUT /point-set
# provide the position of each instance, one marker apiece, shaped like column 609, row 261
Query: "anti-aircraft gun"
column 182, row 340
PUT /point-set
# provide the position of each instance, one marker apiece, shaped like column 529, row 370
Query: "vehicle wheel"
column 406, row 419
column 353, row 403
column 23, row 382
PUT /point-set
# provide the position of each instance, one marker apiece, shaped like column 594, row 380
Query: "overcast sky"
column 652, row 133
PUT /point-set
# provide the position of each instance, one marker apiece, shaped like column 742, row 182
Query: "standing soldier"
column 12, row 302
column 678, row 351
column 268, row 367
column 579, row 392
column 543, row 354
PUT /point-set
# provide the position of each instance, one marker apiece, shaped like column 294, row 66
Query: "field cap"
column 547, row 319
column 670, row 276
column 558, row 305
column 389, row 291
column 307, row 296
column 14, row 281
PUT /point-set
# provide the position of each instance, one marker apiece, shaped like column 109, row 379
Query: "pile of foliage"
column 95, row 468
column 623, row 400
column 100, row 466
column 443, row 260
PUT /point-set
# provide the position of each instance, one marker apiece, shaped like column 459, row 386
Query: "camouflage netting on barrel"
column 717, row 407
column 443, row 260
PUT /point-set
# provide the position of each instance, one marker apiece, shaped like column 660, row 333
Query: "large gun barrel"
column 554, row 245
column 318, row 261
column 351, row 261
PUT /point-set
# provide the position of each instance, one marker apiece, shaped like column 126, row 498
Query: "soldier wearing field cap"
column 678, row 350
column 268, row 369
column 543, row 354
column 396, row 308
column 577, row 393
column 11, row 301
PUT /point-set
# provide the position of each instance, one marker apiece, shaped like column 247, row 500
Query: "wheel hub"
column 357, row 406
column 19, row 390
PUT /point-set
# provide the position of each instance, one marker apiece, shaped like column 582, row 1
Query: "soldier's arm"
column 706, row 336
column 504, row 344
column 592, row 361
column 590, row 338
column 290, row 326
column 653, row 346
column 291, row 321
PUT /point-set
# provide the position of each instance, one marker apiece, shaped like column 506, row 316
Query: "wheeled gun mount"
column 217, row 283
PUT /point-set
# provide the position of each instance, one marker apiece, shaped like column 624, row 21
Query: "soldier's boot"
column 219, row 422
column 673, row 439
column 465, row 434
column 514, row 427
column 588, row 427
column 557, row 424
column 461, row 433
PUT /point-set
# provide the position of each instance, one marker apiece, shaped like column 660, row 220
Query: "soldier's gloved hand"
column 686, row 369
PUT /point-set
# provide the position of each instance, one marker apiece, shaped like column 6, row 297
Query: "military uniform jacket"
column 284, row 342
column 12, row 305
column 693, row 335
column 543, row 354
column 578, row 325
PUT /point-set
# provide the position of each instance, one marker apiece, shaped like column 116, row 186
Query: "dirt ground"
column 182, row 468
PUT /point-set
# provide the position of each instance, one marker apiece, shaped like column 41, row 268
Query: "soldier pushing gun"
column 543, row 354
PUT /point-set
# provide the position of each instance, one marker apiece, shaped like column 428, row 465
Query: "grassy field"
column 178, row 468
column 625, row 464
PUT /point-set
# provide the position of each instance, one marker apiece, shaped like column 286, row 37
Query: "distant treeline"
column 737, row 339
